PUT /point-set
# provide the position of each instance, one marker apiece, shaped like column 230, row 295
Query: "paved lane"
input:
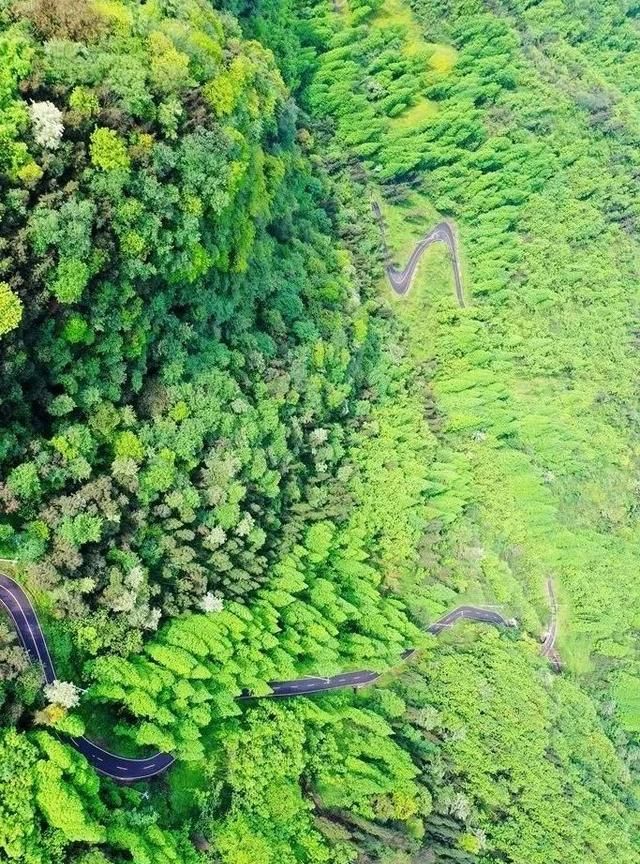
column 20, row 609
column 120, row 767
column 401, row 280
column 362, row 677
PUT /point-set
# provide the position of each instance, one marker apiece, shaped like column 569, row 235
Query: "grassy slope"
column 536, row 379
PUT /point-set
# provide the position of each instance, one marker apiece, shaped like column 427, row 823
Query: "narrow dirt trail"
column 549, row 649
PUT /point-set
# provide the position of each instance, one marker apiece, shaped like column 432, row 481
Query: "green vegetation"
column 229, row 456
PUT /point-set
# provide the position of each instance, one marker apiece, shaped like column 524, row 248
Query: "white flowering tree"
column 46, row 122
column 211, row 603
column 318, row 437
column 63, row 693
column 153, row 619
column 215, row 538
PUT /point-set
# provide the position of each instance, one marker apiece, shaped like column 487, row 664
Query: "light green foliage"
column 129, row 446
column 15, row 54
column 10, row 309
column 24, row 482
column 49, row 802
column 45, row 785
column 531, row 400
column 346, row 751
column 76, row 330
column 17, row 757
column 84, row 101
column 521, row 756
column 70, row 280
column 269, row 816
column 108, row 151
column 169, row 67
column 529, row 471
column 322, row 601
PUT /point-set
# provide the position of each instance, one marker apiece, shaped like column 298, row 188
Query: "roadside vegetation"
column 229, row 456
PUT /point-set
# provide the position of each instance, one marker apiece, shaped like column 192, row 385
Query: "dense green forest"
column 228, row 455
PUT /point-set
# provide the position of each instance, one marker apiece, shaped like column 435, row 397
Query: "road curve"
column 401, row 280
column 362, row 677
column 25, row 620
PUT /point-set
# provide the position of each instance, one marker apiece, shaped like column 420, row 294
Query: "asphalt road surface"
column 361, row 677
column 401, row 280
column 24, row 617
column 25, row 620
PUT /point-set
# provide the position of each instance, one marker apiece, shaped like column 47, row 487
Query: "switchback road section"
column 401, row 280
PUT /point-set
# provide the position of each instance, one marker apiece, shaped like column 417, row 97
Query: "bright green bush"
column 10, row 309
column 108, row 151
column 71, row 277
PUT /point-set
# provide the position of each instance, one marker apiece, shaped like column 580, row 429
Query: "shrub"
column 24, row 481
column 71, row 280
column 76, row 330
column 84, row 101
column 29, row 174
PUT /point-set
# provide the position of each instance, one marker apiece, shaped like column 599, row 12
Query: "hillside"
column 231, row 455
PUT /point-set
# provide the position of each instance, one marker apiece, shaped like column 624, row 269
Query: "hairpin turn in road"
column 401, row 280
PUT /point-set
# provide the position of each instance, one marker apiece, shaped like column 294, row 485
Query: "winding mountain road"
column 125, row 769
column 314, row 684
column 401, row 280
column 25, row 620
